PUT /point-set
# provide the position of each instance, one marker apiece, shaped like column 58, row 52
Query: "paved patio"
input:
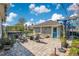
column 44, row 48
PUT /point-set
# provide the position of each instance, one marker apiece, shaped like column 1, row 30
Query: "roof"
column 74, row 17
column 47, row 23
column 74, row 30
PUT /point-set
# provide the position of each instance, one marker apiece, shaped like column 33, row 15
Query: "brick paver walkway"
column 45, row 48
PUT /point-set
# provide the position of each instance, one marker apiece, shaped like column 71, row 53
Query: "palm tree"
column 65, row 37
column 3, row 18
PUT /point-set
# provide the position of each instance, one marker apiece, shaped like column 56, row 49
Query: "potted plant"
column 1, row 46
column 6, row 44
column 64, row 43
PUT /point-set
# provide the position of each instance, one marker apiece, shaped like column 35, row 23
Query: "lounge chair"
column 37, row 38
column 23, row 39
column 62, row 49
column 31, row 37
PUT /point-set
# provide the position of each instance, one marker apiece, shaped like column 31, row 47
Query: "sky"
column 39, row 12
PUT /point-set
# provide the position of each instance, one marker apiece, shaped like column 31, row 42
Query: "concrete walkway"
column 44, row 48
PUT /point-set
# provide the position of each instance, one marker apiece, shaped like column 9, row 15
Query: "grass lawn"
column 74, row 51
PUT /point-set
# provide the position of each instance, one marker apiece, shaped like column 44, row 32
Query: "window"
column 55, row 32
column 46, row 30
column 37, row 30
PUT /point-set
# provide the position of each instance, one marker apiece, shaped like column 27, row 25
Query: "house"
column 74, row 30
column 49, row 28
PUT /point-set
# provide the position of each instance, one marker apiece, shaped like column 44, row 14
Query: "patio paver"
column 43, row 49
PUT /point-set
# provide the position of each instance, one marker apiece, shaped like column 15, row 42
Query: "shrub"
column 6, row 41
column 74, row 51
column 63, row 42
column 75, row 42
column 1, row 46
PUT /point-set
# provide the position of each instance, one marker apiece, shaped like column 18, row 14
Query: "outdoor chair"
column 25, row 39
column 16, row 36
column 31, row 38
column 21, row 39
column 65, row 45
column 62, row 49
column 37, row 38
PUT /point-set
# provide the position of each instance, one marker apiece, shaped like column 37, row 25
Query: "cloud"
column 11, row 17
column 58, row 6
column 39, row 9
column 73, row 7
column 12, row 5
column 75, row 14
column 56, row 16
column 5, row 24
column 40, row 21
column 32, row 6
column 28, row 23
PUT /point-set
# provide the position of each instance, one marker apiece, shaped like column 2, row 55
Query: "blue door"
column 55, row 32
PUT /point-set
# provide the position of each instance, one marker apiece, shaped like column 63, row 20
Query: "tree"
column 22, row 20
column 20, row 24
